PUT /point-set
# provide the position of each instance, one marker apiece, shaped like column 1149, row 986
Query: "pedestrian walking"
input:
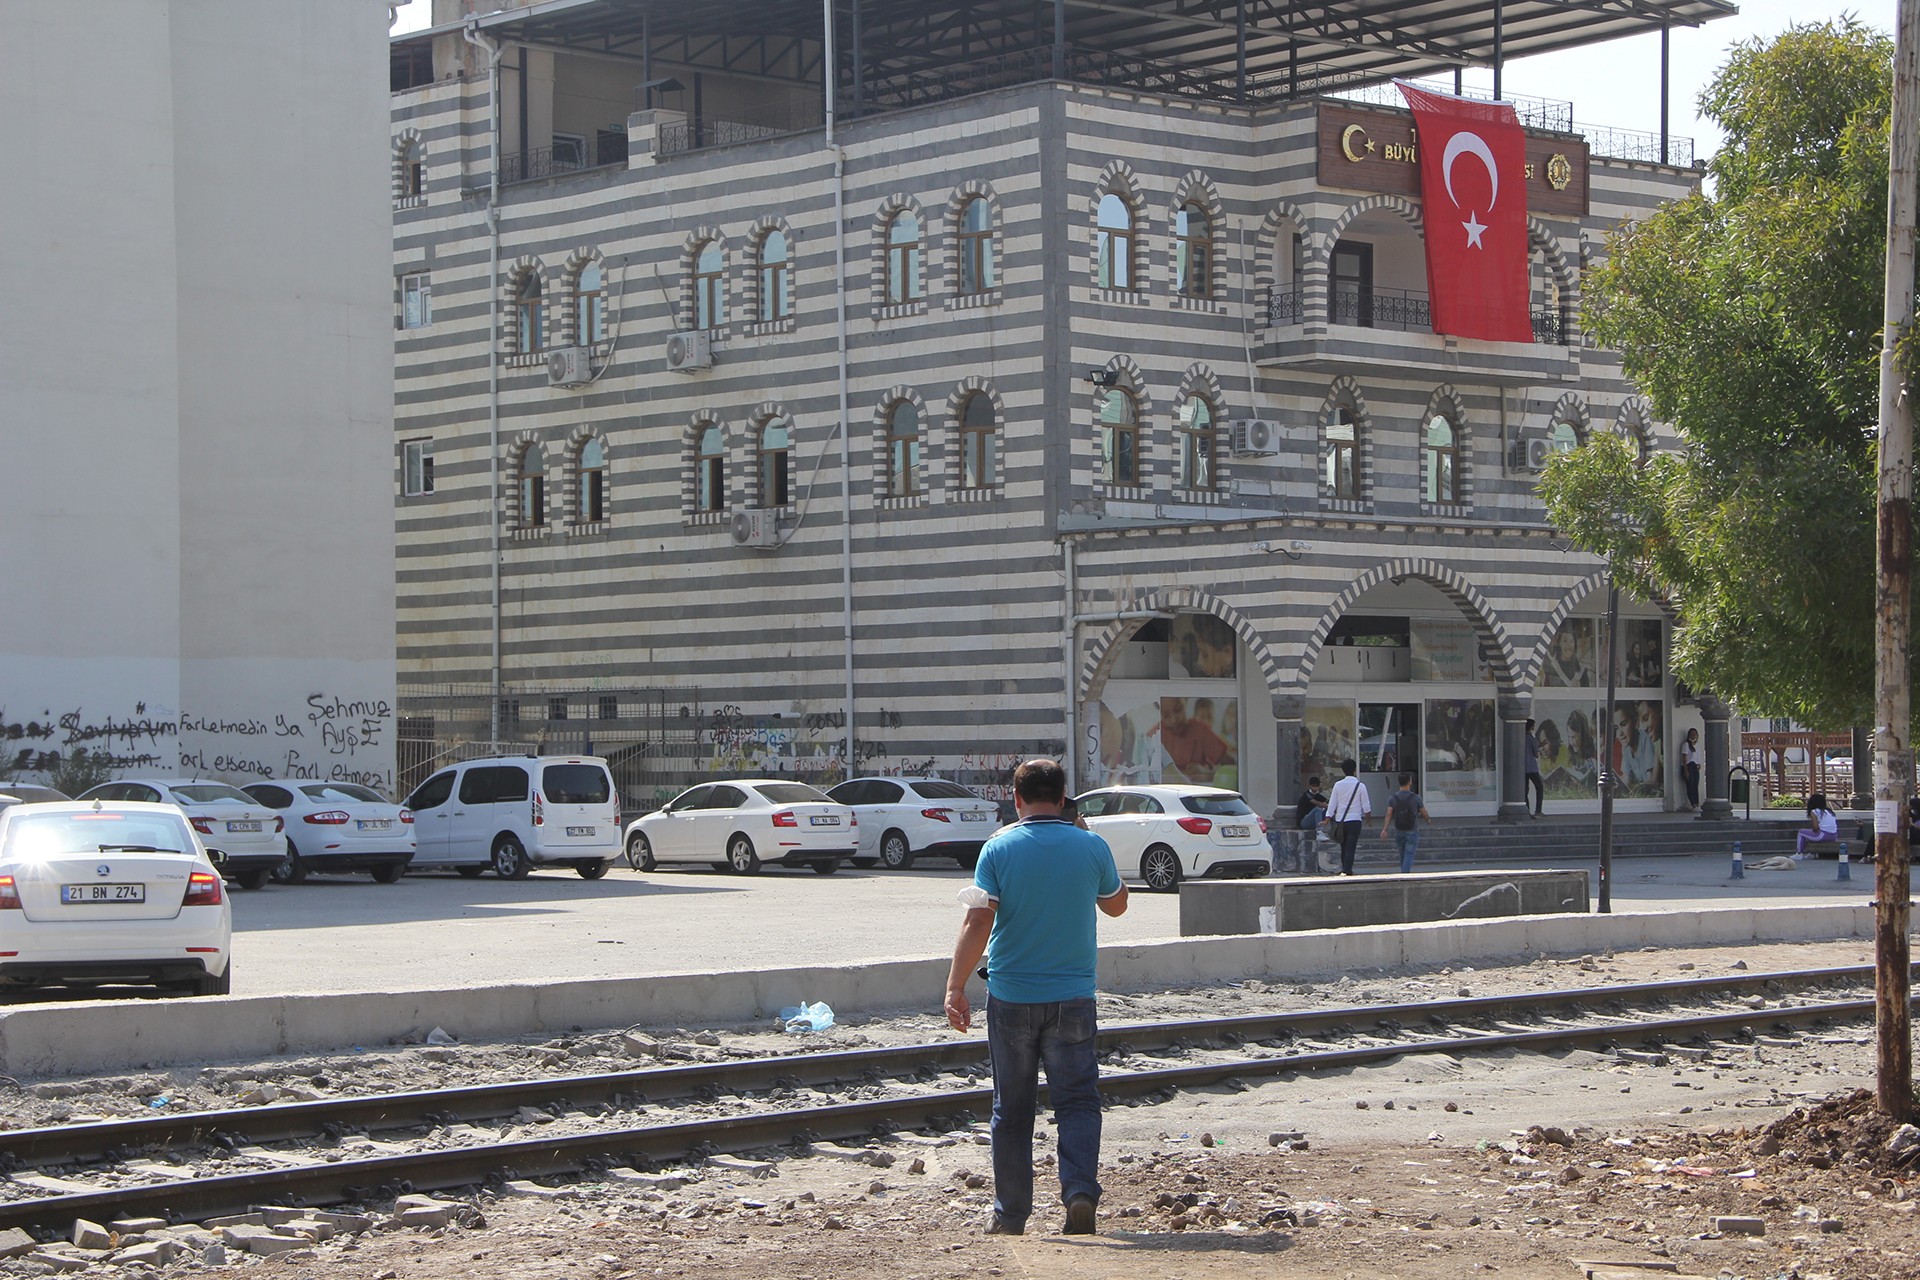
column 1031, row 912
column 1348, row 809
column 1405, row 810
column 1690, row 767
column 1536, row 785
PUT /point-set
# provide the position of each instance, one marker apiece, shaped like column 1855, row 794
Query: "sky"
column 1616, row 84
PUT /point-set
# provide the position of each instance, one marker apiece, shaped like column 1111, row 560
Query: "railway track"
column 325, row 1152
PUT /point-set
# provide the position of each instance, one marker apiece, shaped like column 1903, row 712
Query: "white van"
column 513, row 813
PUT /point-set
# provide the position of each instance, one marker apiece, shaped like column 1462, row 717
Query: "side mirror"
column 218, row 857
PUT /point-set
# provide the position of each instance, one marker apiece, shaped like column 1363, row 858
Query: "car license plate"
column 250, row 825
column 372, row 824
column 82, row 893
column 974, row 817
column 1236, row 833
column 580, row 831
column 830, row 820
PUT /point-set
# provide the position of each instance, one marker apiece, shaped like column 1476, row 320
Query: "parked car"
column 226, row 818
column 12, row 793
column 745, row 825
column 335, row 827
column 1162, row 835
column 102, row 892
column 905, row 819
column 515, row 813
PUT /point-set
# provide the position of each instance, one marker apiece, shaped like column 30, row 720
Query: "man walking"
column 1405, row 809
column 1348, row 808
column 1536, row 785
column 1030, row 910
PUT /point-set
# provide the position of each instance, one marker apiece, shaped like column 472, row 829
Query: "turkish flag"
column 1473, row 164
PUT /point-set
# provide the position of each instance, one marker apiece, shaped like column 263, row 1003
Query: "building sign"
column 1374, row 150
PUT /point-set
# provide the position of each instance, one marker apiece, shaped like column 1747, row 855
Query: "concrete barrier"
column 65, row 1039
column 1271, row 905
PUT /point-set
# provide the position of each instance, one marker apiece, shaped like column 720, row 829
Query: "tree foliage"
column 1750, row 315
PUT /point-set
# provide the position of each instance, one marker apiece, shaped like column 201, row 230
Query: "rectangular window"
column 609, row 706
column 416, row 300
column 416, row 467
column 556, row 708
column 1353, row 284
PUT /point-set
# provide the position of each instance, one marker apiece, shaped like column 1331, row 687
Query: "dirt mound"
column 1845, row 1127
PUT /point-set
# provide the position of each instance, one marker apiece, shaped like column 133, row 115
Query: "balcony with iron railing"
column 606, row 149
column 1394, row 327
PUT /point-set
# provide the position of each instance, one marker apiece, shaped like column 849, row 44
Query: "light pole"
column 1606, row 750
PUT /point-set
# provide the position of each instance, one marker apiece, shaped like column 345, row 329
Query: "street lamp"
column 1606, row 758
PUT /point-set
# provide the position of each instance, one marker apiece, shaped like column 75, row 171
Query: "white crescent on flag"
column 1467, row 142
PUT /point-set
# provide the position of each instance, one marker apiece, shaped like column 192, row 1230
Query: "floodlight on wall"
column 1102, row 377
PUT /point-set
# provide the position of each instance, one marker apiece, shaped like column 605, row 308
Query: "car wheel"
column 291, row 870
column 593, row 868
column 212, row 986
column 388, row 872
column 640, row 852
column 470, row 872
column 967, row 861
column 253, row 877
column 1160, row 868
column 741, row 857
column 826, row 867
column 895, row 853
column 510, row 860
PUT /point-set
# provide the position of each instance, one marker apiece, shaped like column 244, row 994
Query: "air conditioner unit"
column 1529, row 455
column 689, row 351
column 568, row 367
column 1255, row 437
column 756, row 527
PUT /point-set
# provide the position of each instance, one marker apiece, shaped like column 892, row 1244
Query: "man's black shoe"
column 1080, row 1216
column 999, row 1226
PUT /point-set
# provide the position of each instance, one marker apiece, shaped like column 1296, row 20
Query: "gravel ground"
column 1424, row 1167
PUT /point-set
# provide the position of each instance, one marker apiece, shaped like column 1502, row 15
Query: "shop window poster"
column 1169, row 739
column 1201, row 647
column 1573, row 657
column 1641, row 663
column 1326, row 738
column 1460, row 736
column 1567, row 735
column 1637, row 748
column 1447, row 649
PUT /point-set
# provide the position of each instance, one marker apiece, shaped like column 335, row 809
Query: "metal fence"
column 568, row 155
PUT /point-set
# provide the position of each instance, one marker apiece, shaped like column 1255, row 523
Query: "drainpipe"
column 492, row 50
column 830, row 75
column 1069, row 638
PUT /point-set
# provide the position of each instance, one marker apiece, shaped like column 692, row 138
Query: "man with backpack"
column 1405, row 809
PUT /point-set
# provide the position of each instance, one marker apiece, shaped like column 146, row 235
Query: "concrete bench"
column 1214, row 907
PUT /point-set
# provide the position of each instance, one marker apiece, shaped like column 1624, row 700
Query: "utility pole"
column 1893, row 718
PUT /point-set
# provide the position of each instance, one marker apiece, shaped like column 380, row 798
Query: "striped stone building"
column 1068, row 387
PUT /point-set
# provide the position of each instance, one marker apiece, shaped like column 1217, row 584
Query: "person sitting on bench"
column 1824, row 828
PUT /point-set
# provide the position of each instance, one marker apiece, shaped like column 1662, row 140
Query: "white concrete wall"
column 196, row 383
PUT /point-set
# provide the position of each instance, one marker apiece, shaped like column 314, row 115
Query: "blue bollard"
column 1739, row 863
column 1846, row 864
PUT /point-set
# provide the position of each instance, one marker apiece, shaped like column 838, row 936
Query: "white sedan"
column 745, row 825
column 902, row 819
column 96, row 893
column 336, row 827
column 1162, row 835
column 228, row 818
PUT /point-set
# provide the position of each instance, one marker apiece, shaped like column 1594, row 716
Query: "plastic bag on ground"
column 807, row 1017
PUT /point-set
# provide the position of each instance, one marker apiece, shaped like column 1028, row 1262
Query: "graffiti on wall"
column 327, row 738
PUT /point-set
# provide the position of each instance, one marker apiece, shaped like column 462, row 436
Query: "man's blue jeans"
column 1022, row 1038
column 1408, row 842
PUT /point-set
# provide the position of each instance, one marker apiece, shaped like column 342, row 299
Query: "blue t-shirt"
column 1043, row 875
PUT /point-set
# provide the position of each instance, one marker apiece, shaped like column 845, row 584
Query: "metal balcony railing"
column 569, row 155
column 695, row 133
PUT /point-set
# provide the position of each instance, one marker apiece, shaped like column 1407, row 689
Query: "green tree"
column 1750, row 315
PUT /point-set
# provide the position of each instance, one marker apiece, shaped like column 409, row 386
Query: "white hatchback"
column 227, row 818
column 1162, row 835
column 745, row 825
column 903, row 819
column 102, row 893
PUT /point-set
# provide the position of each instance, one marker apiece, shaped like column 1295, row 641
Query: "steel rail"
column 361, row 1179
column 280, row 1122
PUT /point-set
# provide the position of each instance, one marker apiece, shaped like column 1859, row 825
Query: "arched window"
column 593, row 481
column 1343, row 456
column 977, row 460
column 776, row 288
column 533, row 488
column 1562, row 437
column 709, row 286
column 413, row 172
column 710, row 471
column 1443, row 460
column 773, row 450
column 1197, row 441
column 1113, row 244
column 1192, row 252
column 1119, row 438
column 903, row 450
column 529, row 316
column 589, row 306
column 904, row 259
column 974, row 244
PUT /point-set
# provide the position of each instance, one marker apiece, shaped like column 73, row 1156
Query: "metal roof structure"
column 1264, row 44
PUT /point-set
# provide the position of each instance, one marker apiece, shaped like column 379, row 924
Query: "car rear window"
column 343, row 791
column 792, row 793
column 31, row 835
column 575, row 784
column 211, row 793
column 1216, row 806
column 938, row 790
